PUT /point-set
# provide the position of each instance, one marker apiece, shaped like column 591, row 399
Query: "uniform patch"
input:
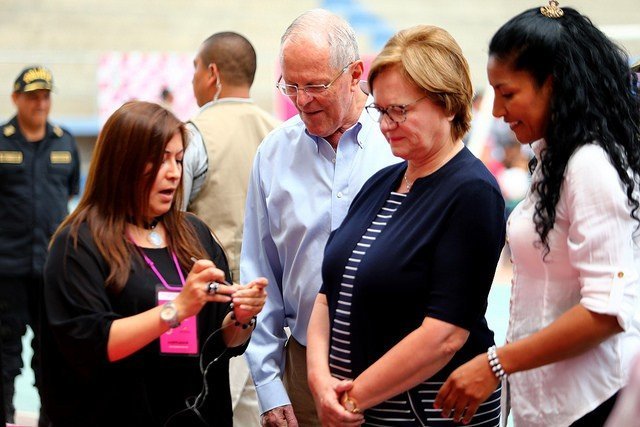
column 11, row 157
column 60, row 157
column 9, row 130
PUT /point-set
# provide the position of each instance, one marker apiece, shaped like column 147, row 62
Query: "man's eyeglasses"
column 396, row 113
column 312, row 90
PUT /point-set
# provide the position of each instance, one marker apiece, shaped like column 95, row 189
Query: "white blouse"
column 594, row 260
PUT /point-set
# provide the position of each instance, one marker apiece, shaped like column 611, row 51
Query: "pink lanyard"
column 162, row 280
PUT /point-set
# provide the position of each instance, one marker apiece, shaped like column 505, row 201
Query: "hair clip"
column 553, row 10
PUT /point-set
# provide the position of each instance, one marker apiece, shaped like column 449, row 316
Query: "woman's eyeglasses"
column 396, row 113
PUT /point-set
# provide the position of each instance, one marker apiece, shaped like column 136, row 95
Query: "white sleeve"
column 601, row 235
column 195, row 165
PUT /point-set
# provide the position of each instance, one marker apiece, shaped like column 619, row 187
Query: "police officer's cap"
column 33, row 78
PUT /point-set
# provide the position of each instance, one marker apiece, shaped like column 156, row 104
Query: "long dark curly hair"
column 593, row 99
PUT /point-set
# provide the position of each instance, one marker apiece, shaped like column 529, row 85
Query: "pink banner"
column 125, row 76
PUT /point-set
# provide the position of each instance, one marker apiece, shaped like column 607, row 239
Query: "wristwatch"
column 350, row 403
column 169, row 315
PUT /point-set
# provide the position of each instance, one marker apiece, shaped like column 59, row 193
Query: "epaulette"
column 58, row 131
column 8, row 130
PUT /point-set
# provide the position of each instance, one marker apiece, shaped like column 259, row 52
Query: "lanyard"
column 155, row 270
column 162, row 280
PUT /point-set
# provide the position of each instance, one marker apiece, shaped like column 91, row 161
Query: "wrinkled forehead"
column 299, row 48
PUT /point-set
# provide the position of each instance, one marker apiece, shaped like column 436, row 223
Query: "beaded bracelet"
column 252, row 322
column 494, row 363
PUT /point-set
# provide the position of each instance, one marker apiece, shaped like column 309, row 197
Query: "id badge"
column 182, row 340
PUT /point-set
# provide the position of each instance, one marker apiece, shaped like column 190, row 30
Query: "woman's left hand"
column 465, row 389
column 249, row 300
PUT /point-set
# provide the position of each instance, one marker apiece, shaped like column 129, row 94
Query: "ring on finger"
column 212, row 288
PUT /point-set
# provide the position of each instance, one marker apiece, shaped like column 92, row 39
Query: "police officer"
column 39, row 172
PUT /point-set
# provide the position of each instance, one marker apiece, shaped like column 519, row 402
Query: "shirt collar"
column 538, row 146
column 361, row 128
column 229, row 100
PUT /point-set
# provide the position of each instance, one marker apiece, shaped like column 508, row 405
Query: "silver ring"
column 212, row 288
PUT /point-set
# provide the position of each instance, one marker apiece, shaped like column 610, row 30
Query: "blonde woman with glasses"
column 407, row 274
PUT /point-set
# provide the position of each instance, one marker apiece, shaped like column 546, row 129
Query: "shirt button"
column 333, row 160
column 620, row 274
column 339, row 194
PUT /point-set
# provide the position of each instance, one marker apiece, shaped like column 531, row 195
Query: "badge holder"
column 182, row 340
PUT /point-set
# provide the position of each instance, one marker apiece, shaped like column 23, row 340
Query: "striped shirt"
column 413, row 407
column 340, row 351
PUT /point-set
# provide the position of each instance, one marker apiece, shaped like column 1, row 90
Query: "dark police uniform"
column 36, row 181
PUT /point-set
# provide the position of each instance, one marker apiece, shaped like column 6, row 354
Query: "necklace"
column 407, row 183
column 154, row 237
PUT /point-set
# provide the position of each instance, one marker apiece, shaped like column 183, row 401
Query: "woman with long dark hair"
column 139, row 326
column 565, row 88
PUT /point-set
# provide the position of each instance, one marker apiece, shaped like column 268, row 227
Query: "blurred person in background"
column 419, row 247
column 140, row 326
column 574, row 325
column 166, row 98
column 627, row 411
column 232, row 126
column 39, row 173
column 305, row 175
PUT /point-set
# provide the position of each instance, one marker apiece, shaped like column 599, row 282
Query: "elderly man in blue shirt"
column 305, row 175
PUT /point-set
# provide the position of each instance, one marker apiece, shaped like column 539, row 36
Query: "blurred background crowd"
column 105, row 53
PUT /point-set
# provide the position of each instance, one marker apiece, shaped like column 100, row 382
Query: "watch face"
column 169, row 314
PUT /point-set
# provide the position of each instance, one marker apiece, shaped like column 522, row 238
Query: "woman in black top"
column 407, row 274
column 136, row 310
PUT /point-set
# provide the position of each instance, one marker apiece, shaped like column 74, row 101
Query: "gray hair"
column 343, row 46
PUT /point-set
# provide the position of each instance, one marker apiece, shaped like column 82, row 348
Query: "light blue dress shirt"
column 300, row 190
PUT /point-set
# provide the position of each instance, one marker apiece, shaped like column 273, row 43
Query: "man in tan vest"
column 232, row 127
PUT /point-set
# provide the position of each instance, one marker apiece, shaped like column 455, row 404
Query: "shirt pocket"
column 61, row 162
column 11, row 162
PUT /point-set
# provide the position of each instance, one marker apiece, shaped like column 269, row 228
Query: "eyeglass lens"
column 395, row 113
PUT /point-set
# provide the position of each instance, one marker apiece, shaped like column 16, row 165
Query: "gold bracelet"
column 350, row 404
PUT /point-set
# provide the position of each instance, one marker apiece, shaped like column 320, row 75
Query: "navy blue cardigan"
column 436, row 257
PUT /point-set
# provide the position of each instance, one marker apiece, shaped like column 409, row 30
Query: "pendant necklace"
column 154, row 237
column 407, row 183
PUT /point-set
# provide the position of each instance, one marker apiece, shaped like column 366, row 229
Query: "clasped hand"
column 327, row 393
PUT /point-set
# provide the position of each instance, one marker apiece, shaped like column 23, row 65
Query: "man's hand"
column 282, row 416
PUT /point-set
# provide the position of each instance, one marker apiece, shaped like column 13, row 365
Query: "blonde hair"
column 430, row 58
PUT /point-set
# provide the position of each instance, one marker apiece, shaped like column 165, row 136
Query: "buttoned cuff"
column 272, row 395
column 617, row 295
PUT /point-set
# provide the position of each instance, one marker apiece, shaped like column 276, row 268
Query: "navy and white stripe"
column 411, row 408
column 415, row 408
column 340, row 350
